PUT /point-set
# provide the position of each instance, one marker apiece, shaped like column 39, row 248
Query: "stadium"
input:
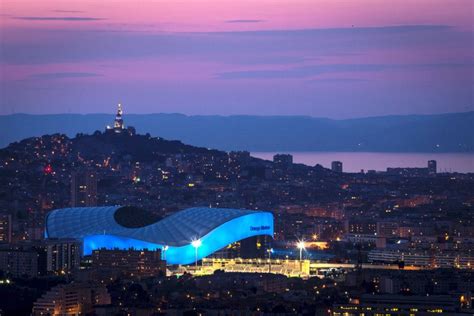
column 184, row 237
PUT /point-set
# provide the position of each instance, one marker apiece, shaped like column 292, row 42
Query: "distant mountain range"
column 412, row 133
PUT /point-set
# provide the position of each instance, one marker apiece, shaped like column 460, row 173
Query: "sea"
column 357, row 161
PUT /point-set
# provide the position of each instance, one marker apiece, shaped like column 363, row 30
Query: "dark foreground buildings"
column 40, row 258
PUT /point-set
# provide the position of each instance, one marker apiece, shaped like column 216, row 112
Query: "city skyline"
column 220, row 157
column 323, row 59
column 122, row 222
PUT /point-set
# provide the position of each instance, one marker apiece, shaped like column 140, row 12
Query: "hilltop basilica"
column 119, row 126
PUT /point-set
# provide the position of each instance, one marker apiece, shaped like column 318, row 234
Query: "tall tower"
column 432, row 166
column 336, row 166
column 5, row 228
column 83, row 189
column 118, row 123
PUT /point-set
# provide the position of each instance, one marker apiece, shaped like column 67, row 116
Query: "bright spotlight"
column 301, row 244
column 196, row 243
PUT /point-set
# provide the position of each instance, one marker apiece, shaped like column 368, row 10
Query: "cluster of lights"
column 136, row 179
column 48, row 169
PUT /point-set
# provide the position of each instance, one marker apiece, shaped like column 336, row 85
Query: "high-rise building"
column 432, row 166
column 71, row 299
column 50, row 256
column 387, row 228
column 254, row 247
column 83, row 189
column 360, row 227
column 5, row 228
column 62, row 255
column 283, row 160
column 137, row 262
column 336, row 166
column 18, row 262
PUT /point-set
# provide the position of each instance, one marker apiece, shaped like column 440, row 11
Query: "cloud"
column 62, row 75
column 244, row 21
column 54, row 18
column 315, row 70
column 301, row 72
column 279, row 47
column 68, row 11
column 339, row 80
column 349, row 30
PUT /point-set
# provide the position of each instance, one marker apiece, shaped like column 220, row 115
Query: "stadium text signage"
column 258, row 228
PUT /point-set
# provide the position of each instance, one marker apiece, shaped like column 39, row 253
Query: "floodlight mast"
column 196, row 244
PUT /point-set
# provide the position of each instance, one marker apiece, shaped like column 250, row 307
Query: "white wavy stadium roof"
column 175, row 230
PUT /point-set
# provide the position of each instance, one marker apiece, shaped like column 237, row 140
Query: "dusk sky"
column 324, row 58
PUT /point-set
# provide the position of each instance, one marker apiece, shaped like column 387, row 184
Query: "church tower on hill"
column 119, row 126
column 118, row 123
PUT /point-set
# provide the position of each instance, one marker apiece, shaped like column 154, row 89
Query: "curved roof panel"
column 93, row 224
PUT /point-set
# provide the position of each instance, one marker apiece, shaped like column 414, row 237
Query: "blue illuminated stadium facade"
column 109, row 227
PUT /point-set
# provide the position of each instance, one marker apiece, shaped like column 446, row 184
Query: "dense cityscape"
column 398, row 242
column 275, row 157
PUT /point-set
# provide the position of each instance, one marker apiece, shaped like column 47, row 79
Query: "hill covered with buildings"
column 417, row 220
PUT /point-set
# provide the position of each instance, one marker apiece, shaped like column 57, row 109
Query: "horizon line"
column 243, row 115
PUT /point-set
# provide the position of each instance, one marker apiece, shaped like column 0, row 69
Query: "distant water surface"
column 355, row 161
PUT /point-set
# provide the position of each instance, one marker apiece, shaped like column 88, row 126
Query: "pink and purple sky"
column 324, row 58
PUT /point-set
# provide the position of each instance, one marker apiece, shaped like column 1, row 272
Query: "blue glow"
column 234, row 230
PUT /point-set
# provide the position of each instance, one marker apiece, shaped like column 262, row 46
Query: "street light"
column 301, row 245
column 165, row 248
column 270, row 251
column 196, row 244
